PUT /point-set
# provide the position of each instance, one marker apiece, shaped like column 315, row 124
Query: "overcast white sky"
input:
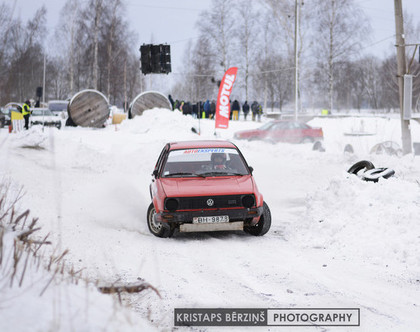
column 173, row 21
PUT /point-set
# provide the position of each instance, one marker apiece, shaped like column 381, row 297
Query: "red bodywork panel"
column 282, row 133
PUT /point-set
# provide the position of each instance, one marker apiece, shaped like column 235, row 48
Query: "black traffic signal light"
column 155, row 59
column 145, row 58
column 165, row 59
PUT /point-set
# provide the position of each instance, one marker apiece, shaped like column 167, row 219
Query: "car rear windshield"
column 204, row 162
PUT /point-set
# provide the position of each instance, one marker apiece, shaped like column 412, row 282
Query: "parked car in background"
column 58, row 107
column 2, row 118
column 43, row 116
column 204, row 186
column 283, row 131
column 6, row 114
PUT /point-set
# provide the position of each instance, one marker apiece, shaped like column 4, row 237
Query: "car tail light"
column 171, row 204
column 248, row 201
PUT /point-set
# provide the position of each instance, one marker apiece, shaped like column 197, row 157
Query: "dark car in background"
column 282, row 131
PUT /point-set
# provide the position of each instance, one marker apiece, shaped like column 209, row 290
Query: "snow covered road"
column 335, row 241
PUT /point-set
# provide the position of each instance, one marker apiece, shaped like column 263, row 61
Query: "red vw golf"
column 204, row 186
column 283, row 131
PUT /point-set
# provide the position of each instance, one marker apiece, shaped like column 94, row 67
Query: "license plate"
column 202, row 220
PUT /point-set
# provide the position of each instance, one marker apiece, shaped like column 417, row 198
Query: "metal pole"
column 296, row 59
column 43, row 84
column 399, row 33
column 125, row 85
column 43, row 96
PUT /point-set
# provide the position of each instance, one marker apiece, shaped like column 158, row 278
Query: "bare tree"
column 247, row 31
column 6, row 17
column 26, row 57
column 340, row 28
column 217, row 27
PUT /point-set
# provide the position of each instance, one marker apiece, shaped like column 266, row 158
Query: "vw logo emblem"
column 210, row 202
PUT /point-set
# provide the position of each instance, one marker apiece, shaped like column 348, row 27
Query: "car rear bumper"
column 248, row 217
column 47, row 124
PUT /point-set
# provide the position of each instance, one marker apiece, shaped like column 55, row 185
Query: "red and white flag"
column 223, row 103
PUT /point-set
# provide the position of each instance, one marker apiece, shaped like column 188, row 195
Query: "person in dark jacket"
column 245, row 109
column 254, row 110
column 206, row 109
column 235, row 110
column 195, row 110
column 186, row 109
column 212, row 109
column 171, row 101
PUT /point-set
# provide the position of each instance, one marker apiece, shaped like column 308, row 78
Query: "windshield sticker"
column 217, row 150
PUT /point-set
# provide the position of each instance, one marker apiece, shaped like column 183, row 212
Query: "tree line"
column 93, row 47
column 258, row 38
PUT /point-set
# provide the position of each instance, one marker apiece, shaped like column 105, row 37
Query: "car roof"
column 201, row 144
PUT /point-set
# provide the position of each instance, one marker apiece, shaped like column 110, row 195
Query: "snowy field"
column 335, row 241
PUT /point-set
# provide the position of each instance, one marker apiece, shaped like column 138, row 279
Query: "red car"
column 283, row 131
column 203, row 186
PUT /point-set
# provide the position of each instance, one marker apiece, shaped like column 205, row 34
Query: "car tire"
column 360, row 165
column 318, row 146
column 374, row 174
column 263, row 225
column 348, row 148
column 156, row 228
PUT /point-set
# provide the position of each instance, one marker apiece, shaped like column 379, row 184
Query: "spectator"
column 245, row 109
column 259, row 112
column 26, row 112
column 254, row 110
column 171, row 101
column 212, row 109
column 206, row 109
column 195, row 110
column 186, row 109
column 235, row 110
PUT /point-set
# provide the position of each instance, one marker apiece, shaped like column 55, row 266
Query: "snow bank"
column 39, row 293
column 375, row 222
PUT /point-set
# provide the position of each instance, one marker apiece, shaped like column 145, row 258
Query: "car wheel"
column 318, row 146
column 348, row 148
column 359, row 166
column 263, row 225
column 157, row 228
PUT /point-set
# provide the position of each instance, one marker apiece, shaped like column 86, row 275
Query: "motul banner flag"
column 223, row 103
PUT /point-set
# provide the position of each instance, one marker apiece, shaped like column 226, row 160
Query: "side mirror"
column 155, row 173
column 251, row 169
